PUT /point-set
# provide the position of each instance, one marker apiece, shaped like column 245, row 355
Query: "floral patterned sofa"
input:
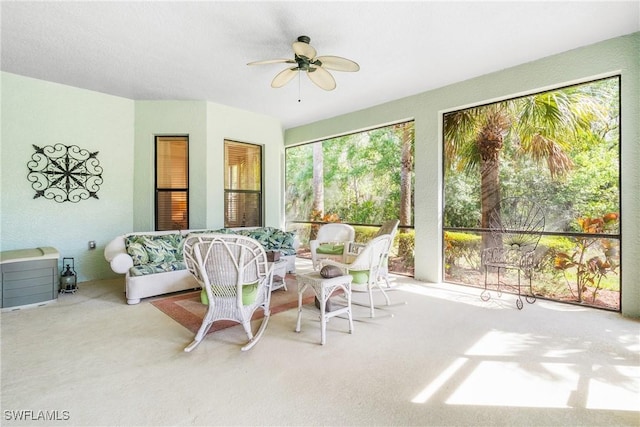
column 153, row 265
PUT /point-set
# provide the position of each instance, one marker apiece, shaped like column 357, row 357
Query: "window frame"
column 605, row 235
column 239, row 191
column 158, row 190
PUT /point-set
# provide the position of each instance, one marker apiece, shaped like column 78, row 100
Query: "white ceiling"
column 199, row 50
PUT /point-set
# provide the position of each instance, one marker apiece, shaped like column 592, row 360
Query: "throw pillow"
column 360, row 277
column 330, row 271
column 330, row 249
column 164, row 248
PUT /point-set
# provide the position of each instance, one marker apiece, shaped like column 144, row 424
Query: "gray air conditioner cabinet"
column 29, row 276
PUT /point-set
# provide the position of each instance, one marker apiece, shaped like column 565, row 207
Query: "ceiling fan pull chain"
column 298, row 85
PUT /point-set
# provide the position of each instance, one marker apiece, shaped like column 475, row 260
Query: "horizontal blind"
column 172, row 162
column 242, row 184
column 243, row 166
column 172, row 182
column 171, row 210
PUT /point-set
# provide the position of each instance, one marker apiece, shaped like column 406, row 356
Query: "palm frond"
column 544, row 149
column 459, row 129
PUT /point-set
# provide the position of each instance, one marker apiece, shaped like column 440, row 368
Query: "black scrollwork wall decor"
column 64, row 173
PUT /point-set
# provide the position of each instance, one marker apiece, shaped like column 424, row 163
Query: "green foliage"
column 548, row 248
column 361, row 176
column 592, row 258
column 302, row 231
column 462, row 201
column 299, row 174
column 407, row 246
column 365, row 233
column 462, row 247
column 573, row 130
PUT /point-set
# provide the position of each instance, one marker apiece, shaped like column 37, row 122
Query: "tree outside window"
column 559, row 148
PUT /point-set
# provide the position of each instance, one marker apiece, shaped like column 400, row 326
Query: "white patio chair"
column 366, row 267
column 331, row 242
column 234, row 272
column 389, row 227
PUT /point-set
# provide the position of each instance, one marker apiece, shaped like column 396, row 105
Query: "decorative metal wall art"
column 64, row 173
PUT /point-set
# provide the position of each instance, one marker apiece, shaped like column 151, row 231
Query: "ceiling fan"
column 316, row 67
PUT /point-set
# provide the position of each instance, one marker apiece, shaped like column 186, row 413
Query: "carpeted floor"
column 446, row 358
column 187, row 309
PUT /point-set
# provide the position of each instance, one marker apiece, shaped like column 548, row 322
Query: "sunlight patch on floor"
column 624, row 396
column 509, row 384
column 498, row 343
column 435, row 385
column 513, row 370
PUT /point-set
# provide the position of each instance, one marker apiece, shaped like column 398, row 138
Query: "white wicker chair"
column 369, row 261
column 389, row 227
column 233, row 271
column 331, row 242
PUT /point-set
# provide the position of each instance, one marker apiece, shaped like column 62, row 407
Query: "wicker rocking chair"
column 234, row 273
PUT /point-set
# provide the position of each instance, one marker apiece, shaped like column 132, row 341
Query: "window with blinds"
column 242, row 184
column 172, row 182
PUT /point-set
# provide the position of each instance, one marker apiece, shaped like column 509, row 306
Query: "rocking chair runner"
column 234, row 273
column 516, row 225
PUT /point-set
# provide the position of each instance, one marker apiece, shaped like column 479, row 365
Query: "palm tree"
column 542, row 126
column 406, row 133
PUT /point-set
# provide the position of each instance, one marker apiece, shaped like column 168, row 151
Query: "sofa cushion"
column 155, row 249
column 249, row 294
column 330, row 249
column 204, row 231
column 164, row 248
column 151, row 268
column 225, row 231
column 360, row 277
column 260, row 234
column 272, row 239
column 282, row 240
column 135, row 248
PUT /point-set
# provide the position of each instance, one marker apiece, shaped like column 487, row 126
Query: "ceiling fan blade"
column 304, row 49
column 272, row 61
column 322, row 78
column 337, row 63
column 284, row 77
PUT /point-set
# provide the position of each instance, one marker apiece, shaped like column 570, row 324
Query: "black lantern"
column 69, row 278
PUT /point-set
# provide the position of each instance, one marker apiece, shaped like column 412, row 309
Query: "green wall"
column 169, row 118
column 122, row 131
column 44, row 113
column 207, row 125
column 617, row 56
column 238, row 125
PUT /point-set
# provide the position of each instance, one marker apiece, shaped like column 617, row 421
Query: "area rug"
column 187, row 310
